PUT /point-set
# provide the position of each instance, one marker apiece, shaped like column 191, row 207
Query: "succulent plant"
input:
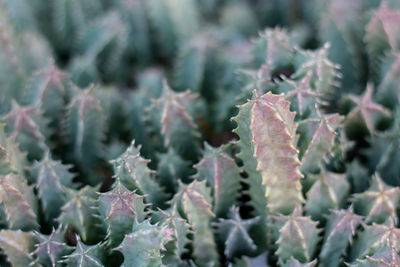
column 234, row 234
column 50, row 248
column 167, row 133
column 120, row 208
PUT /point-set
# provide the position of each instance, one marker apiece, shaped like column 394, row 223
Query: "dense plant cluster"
column 168, row 133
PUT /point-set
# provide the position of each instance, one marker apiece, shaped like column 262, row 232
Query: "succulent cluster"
column 167, row 133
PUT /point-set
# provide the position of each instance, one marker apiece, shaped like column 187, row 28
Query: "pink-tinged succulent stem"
column 273, row 137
